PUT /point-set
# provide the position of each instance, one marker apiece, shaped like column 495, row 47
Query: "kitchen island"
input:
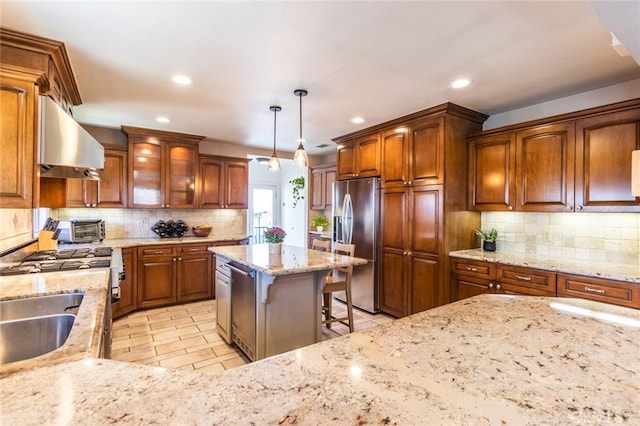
column 275, row 300
column 489, row 359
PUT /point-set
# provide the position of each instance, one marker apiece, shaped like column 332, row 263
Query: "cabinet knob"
column 408, row 253
column 469, row 268
column 409, row 183
column 510, row 207
column 578, row 207
column 520, row 277
column 569, row 208
column 157, row 252
column 498, row 286
column 404, row 253
column 87, row 205
column 180, row 259
column 168, row 206
column 490, row 285
column 93, row 205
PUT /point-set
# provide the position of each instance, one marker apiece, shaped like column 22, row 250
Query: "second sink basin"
column 29, row 338
column 40, row 306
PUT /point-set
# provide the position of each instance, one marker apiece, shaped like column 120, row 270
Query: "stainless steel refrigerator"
column 356, row 217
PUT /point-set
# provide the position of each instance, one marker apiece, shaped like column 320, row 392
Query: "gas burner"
column 19, row 270
column 42, row 255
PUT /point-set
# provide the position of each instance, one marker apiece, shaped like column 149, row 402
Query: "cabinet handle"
column 520, row 277
column 510, row 207
column 490, row 285
column 157, row 252
column 498, row 286
column 595, row 290
column 469, row 268
column 192, row 250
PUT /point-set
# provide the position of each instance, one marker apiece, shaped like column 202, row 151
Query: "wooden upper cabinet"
column 573, row 162
column 162, row 168
column 492, row 177
column 17, row 141
column 395, row 157
column 322, row 179
column 224, row 183
column 603, row 162
column 545, row 168
column 359, row 158
column 427, row 152
column 109, row 192
column 181, row 164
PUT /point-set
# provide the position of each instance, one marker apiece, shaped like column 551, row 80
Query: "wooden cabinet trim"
column 599, row 289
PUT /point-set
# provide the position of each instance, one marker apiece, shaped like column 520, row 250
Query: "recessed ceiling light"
column 163, row 120
column 181, row 79
column 357, row 120
column 460, row 83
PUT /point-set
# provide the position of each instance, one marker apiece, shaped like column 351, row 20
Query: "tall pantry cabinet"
column 423, row 206
column 423, row 171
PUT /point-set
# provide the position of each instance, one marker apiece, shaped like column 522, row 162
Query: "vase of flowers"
column 274, row 236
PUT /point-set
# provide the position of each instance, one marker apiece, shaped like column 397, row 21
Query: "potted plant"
column 319, row 222
column 274, row 236
column 298, row 184
column 488, row 239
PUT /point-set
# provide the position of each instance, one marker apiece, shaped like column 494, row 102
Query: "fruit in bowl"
column 201, row 230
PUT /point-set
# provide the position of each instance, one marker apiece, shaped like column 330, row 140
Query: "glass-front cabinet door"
column 146, row 186
column 182, row 161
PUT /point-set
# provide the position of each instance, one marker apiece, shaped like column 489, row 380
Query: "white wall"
column 294, row 219
column 593, row 98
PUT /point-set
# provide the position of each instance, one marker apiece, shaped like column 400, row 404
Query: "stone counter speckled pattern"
column 610, row 270
column 292, row 260
column 485, row 360
column 86, row 336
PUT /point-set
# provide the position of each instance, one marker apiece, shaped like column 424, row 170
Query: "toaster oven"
column 81, row 231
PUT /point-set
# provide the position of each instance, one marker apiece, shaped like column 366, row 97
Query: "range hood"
column 66, row 149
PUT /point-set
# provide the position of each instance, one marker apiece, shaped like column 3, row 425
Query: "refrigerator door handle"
column 347, row 219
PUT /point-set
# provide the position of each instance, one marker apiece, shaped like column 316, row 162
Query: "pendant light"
column 300, row 157
column 274, row 162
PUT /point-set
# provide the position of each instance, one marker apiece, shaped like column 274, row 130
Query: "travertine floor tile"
column 185, row 337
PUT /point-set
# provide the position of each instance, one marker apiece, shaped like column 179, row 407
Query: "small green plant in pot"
column 319, row 222
column 488, row 239
column 298, row 184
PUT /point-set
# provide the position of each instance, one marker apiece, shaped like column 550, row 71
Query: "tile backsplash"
column 136, row 223
column 598, row 237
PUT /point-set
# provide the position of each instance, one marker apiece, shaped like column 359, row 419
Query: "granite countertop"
column 490, row 359
column 133, row 242
column 609, row 270
column 85, row 339
column 292, row 260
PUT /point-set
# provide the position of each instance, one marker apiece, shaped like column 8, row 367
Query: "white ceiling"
column 380, row 60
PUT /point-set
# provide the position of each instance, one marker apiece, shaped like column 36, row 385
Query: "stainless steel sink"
column 28, row 338
column 40, row 306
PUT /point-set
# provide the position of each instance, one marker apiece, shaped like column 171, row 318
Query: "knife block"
column 46, row 241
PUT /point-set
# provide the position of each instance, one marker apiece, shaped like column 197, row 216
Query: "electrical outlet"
column 546, row 236
column 141, row 224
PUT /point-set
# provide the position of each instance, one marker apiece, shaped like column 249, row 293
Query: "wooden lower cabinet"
column 157, row 276
column 471, row 278
column 174, row 274
column 598, row 289
column 195, row 272
column 394, row 291
column 128, row 287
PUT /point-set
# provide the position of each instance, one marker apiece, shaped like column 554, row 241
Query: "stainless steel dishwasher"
column 243, row 308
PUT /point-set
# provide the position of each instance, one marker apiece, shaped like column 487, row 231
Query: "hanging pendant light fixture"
column 300, row 157
column 274, row 162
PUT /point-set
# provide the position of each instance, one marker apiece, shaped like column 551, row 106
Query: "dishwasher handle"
column 249, row 274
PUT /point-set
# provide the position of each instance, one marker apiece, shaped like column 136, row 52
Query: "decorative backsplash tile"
column 130, row 223
column 16, row 227
column 602, row 237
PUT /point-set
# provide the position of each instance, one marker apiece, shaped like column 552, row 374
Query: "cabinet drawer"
column 156, row 251
column 615, row 292
column 526, row 280
column 473, row 268
column 194, row 248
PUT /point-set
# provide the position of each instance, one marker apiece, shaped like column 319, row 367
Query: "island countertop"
column 292, row 259
column 490, row 359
